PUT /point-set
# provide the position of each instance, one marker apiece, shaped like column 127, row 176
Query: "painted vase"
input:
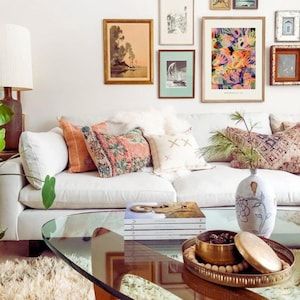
column 256, row 205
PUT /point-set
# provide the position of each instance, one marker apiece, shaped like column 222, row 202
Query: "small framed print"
column 245, row 4
column 285, row 65
column 288, row 26
column 128, row 51
column 233, row 59
column 176, row 73
column 220, row 4
column 176, row 22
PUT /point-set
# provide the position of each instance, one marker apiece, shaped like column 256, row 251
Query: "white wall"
column 68, row 65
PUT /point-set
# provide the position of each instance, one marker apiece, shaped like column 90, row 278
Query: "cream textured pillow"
column 175, row 153
column 42, row 154
column 281, row 122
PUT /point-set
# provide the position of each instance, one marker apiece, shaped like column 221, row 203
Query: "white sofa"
column 21, row 209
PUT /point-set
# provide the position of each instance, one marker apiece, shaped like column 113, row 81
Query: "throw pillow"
column 280, row 151
column 116, row 155
column 42, row 154
column 282, row 122
column 175, row 153
column 79, row 157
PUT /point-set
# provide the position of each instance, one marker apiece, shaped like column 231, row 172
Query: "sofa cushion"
column 87, row 190
column 217, row 187
column 280, row 122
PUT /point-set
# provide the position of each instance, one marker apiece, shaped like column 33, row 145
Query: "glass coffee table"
column 93, row 245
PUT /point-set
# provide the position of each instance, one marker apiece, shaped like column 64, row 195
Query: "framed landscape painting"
column 245, row 4
column 233, row 59
column 176, row 73
column 128, row 51
column 176, row 22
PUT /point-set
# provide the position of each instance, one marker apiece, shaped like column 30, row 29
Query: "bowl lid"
column 257, row 252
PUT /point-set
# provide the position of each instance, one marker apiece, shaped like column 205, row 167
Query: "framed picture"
column 288, row 26
column 220, row 4
column 285, row 65
column 128, row 51
column 176, row 73
column 176, row 22
column 245, row 4
column 233, row 59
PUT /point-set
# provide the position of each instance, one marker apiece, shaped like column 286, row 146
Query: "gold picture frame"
column 131, row 60
column 220, row 4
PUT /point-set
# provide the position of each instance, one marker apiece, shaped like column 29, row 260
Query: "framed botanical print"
column 176, row 73
column 288, row 26
column 176, row 22
column 245, row 4
column 285, row 65
column 233, row 59
column 128, row 51
column 220, row 4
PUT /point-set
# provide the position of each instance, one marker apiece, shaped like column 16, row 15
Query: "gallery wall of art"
column 68, row 59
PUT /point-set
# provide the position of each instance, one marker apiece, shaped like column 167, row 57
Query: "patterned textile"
column 116, row 155
column 79, row 157
column 280, row 151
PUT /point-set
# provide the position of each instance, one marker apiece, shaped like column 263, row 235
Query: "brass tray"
column 250, row 280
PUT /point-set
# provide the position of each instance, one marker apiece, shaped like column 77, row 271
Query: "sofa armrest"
column 10, row 187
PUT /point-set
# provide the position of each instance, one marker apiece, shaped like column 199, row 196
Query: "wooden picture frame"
column 176, row 73
column 176, row 22
column 220, row 4
column 287, row 26
column 245, row 4
column 130, row 61
column 285, row 65
column 233, row 75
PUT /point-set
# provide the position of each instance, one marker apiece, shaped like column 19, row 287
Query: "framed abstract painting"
column 233, row 59
column 128, row 51
column 176, row 73
column 176, row 22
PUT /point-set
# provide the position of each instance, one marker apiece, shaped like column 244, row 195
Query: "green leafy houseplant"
column 222, row 144
column 48, row 189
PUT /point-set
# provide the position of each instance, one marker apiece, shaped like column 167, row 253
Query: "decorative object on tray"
column 262, row 262
column 285, row 65
column 245, row 4
column 288, row 26
column 236, row 75
column 255, row 199
column 220, row 4
column 176, row 22
column 128, row 51
column 176, row 73
column 163, row 221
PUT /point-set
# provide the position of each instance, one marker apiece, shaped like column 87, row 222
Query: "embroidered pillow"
column 79, row 157
column 280, row 151
column 175, row 153
column 116, row 155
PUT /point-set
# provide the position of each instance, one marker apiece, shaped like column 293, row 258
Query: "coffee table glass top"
column 92, row 244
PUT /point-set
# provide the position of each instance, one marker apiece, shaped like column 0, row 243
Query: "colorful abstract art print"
column 128, row 51
column 233, row 59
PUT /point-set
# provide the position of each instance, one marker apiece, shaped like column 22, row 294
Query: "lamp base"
column 13, row 129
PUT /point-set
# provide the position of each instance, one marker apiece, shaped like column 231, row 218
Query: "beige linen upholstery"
column 10, row 187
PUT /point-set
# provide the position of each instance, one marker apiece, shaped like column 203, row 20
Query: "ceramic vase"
column 256, row 205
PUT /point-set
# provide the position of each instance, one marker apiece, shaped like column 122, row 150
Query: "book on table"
column 162, row 221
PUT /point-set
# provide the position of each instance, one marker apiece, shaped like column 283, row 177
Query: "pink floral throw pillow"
column 280, row 151
column 116, row 155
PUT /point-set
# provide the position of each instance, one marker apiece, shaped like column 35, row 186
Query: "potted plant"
column 255, row 199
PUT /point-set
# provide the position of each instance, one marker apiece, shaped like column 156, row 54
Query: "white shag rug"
column 42, row 278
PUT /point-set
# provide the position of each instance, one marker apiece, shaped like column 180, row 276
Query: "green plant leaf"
column 2, row 139
column 48, row 191
column 5, row 114
column 2, row 233
column 237, row 116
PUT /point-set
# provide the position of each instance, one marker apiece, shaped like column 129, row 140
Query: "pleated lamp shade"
column 15, row 58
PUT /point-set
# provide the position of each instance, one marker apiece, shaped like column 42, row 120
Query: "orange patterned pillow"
column 79, row 157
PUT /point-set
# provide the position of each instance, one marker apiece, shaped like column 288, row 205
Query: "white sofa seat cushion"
column 87, row 190
column 217, row 187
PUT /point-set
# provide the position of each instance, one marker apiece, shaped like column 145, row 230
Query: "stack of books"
column 156, row 221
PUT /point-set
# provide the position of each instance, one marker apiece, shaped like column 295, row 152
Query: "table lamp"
column 15, row 75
